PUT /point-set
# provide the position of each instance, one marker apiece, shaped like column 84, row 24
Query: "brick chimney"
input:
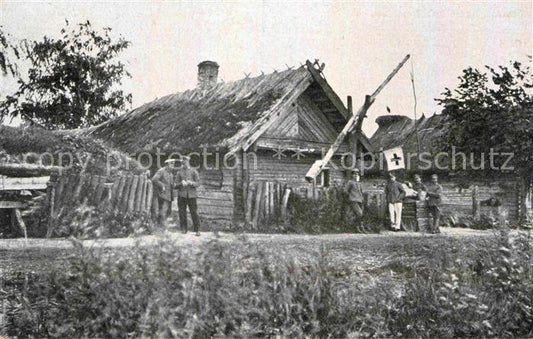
column 207, row 74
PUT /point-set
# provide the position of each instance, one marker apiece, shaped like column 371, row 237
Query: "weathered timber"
column 319, row 165
column 155, row 205
column 249, row 203
column 28, row 170
column 35, row 183
column 285, row 202
column 52, row 216
column 138, row 194
column 12, row 204
column 17, row 217
column 120, row 191
column 475, row 203
column 100, row 188
column 93, row 186
column 79, row 185
column 257, row 207
column 149, row 196
column 131, row 195
column 62, row 180
column 125, row 195
column 114, row 191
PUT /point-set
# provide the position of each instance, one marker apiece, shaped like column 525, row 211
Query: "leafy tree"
column 72, row 81
column 493, row 110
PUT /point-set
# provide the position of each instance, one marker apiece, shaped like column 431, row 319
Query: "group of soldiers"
column 185, row 180
column 395, row 193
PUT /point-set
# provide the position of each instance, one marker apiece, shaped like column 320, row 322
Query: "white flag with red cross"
column 395, row 159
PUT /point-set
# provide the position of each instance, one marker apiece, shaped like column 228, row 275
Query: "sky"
column 360, row 42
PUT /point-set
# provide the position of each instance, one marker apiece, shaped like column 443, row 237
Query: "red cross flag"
column 394, row 158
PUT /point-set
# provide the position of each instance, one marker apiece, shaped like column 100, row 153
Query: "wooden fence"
column 265, row 200
column 129, row 193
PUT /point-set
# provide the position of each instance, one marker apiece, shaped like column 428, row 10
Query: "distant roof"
column 222, row 116
column 399, row 130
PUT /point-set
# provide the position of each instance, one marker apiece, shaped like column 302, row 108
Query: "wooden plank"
column 257, row 207
column 18, row 220
column 28, row 170
column 92, row 188
column 77, row 189
column 284, row 203
column 51, row 217
column 133, row 191
column 138, row 195
column 149, row 196
column 117, row 199
column 12, row 204
column 125, row 195
column 60, row 187
column 15, row 184
column 249, row 203
column 100, row 188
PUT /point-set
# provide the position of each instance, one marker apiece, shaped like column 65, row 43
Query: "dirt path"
column 359, row 251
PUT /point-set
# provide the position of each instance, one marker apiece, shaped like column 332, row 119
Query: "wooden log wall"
column 459, row 201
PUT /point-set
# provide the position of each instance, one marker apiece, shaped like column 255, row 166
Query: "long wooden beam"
column 27, row 170
column 319, row 165
column 15, row 184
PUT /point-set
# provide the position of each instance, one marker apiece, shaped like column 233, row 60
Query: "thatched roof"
column 399, row 130
column 223, row 116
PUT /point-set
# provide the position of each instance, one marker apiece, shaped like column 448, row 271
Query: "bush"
column 329, row 214
column 86, row 222
column 240, row 290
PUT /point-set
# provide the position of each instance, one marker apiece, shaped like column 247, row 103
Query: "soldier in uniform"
column 394, row 192
column 163, row 181
column 354, row 192
column 434, row 192
column 419, row 187
column 187, row 180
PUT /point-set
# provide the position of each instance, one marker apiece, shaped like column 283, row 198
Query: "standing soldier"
column 394, row 193
column 434, row 201
column 355, row 198
column 420, row 188
column 163, row 181
column 187, row 180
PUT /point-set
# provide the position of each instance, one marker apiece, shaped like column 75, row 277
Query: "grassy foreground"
column 380, row 287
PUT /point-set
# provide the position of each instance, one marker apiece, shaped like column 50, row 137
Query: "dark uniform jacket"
column 163, row 181
column 187, row 191
column 394, row 192
column 434, row 194
column 418, row 186
column 354, row 190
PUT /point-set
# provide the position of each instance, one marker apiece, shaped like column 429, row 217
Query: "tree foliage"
column 493, row 110
column 71, row 81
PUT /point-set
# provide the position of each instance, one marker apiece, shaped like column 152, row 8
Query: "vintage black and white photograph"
column 266, row 169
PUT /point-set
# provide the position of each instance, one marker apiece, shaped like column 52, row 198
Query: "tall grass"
column 242, row 290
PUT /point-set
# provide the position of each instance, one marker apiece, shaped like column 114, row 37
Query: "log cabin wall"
column 288, row 170
column 457, row 201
